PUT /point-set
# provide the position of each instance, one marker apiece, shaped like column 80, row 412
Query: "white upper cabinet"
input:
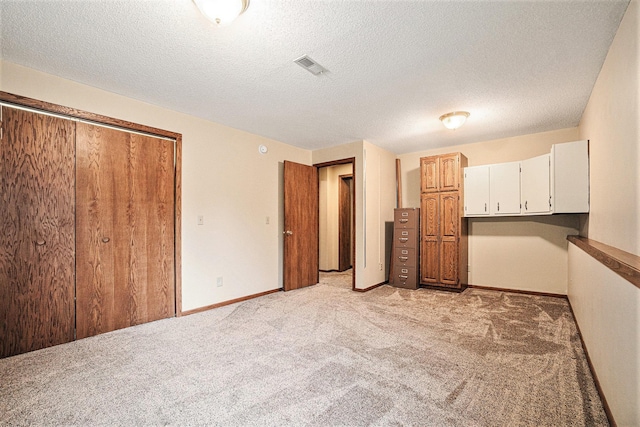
column 535, row 190
column 570, row 177
column 552, row 183
column 504, row 188
column 476, row 191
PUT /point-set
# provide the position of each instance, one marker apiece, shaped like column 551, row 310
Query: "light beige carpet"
column 323, row 355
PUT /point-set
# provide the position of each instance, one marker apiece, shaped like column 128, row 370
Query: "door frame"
column 72, row 113
column 345, row 161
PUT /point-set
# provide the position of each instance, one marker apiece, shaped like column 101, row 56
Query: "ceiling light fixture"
column 222, row 11
column 454, row 120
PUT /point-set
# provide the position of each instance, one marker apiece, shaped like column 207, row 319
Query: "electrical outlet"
column 267, row 221
column 219, row 282
column 380, row 266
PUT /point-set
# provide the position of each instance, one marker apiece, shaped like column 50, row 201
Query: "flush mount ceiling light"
column 222, row 11
column 454, row 120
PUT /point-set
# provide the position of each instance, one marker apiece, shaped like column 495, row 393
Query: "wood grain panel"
column 429, row 174
column 449, row 214
column 344, row 222
column 449, row 172
column 449, row 261
column 301, row 218
column 125, row 221
column 429, row 252
column 624, row 264
column 80, row 114
column 36, row 231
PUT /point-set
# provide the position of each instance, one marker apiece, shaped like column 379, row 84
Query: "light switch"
column 200, row 219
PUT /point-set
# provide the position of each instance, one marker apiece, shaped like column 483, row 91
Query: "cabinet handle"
column 403, row 258
column 287, row 233
column 498, row 206
column 525, row 205
column 403, row 239
column 105, row 240
column 41, row 242
column 485, row 207
column 402, row 276
column 403, row 220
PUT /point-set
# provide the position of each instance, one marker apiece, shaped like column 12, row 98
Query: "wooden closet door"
column 429, row 252
column 36, row 231
column 125, row 229
column 450, row 234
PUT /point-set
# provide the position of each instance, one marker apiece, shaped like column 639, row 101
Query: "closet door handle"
column 41, row 242
column 287, row 233
column 105, row 240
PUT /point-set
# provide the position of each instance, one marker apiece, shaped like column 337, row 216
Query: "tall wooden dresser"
column 406, row 227
column 443, row 230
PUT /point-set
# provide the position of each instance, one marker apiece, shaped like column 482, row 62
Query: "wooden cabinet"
column 443, row 248
column 87, row 228
column 440, row 173
column 405, row 248
column 476, row 196
column 552, row 183
column 535, row 191
column 504, row 189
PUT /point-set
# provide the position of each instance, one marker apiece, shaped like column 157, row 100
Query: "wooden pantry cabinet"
column 443, row 230
column 88, row 225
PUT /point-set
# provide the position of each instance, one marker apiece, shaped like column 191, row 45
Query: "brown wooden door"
column 344, row 222
column 449, row 232
column 449, row 172
column 36, row 231
column 125, row 229
column 301, row 224
column 429, row 174
column 429, row 252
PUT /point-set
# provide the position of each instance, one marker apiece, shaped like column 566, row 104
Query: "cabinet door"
column 37, row 227
column 125, row 229
column 535, row 191
column 429, row 251
column 505, row 189
column 570, row 177
column 449, row 232
column 449, row 172
column 476, row 191
column 429, row 174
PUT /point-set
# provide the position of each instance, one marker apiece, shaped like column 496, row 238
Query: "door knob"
column 287, row 233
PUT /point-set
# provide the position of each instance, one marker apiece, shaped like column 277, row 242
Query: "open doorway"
column 336, row 245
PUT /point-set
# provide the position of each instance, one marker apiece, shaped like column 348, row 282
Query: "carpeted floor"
column 323, row 355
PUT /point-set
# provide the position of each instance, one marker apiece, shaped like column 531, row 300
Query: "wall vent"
column 310, row 65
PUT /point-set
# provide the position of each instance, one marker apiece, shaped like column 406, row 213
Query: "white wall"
column 607, row 307
column 224, row 178
column 513, row 253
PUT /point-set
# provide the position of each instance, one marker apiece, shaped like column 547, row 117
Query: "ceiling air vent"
column 310, row 65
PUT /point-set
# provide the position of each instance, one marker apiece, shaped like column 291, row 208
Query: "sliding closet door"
column 125, row 229
column 36, row 231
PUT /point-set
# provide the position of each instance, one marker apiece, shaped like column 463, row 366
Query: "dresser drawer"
column 404, row 257
column 405, row 218
column 406, row 238
column 405, row 277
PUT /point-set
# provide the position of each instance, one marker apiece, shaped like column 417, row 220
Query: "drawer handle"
column 405, row 213
column 403, row 239
column 105, row 240
column 403, row 258
column 403, row 220
column 41, row 242
column 402, row 276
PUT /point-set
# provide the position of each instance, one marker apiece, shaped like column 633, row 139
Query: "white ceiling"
column 518, row 67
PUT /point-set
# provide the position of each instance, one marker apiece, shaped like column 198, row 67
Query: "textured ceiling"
column 518, row 67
